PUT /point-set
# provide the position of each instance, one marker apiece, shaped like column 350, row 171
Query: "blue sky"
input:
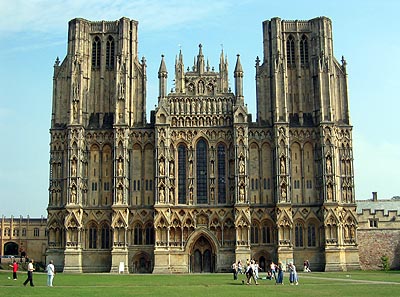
column 33, row 33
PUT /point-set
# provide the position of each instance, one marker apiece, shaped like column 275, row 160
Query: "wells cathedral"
column 201, row 185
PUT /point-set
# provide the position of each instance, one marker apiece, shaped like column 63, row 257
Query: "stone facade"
column 378, row 233
column 201, row 185
column 23, row 237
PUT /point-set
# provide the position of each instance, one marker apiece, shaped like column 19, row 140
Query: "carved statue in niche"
column 171, row 195
column 283, row 193
column 162, row 195
column 328, row 165
column 73, row 194
column 201, row 87
column 283, row 165
column 198, row 106
column 212, row 194
column 241, row 165
column 162, row 167
column 193, row 106
column 73, row 170
column 171, row 168
column 241, row 193
column 119, row 195
column 329, row 193
column 120, row 167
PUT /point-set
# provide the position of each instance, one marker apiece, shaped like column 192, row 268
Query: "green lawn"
column 355, row 283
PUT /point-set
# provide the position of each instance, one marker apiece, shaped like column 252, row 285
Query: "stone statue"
column 162, row 167
column 328, row 165
column 283, row 166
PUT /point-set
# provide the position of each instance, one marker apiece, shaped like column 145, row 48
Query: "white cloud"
column 50, row 16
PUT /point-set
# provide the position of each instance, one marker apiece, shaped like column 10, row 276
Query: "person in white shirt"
column 30, row 274
column 50, row 273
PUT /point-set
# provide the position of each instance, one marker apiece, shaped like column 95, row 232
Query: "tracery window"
column 290, row 52
column 110, row 53
column 182, row 174
column 201, row 171
column 254, row 233
column 304, row 51
column 96, row 53
column 149, row 234
column 311, row 235
column 221, row 174
column 92, row 237
column 266, row 234
column 298, row 233
column 105, row 237
column 138, row 235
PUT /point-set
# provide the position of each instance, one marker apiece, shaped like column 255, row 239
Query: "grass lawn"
column 355, row 283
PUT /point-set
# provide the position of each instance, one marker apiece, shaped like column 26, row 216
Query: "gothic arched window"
column 105, row 237
column 311, row 235
column 304, row 51
column 290, row 53
column 92, row 237
column 298, row 234
column 110, row 53
column 266, row 233
column 96, row 53
column 182, row 174
column 221, row 174
column 201, row 171
column 149, row 234
column 138, row 235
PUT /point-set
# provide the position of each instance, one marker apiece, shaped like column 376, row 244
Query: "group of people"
column 250, row 270
column 50, row 269
column 275, row 272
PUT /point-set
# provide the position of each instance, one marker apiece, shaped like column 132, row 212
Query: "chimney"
column 375, row 196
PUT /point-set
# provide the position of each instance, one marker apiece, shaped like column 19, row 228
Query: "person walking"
column 15, row 269
column 30, row 274
column 50, row 273
column 273, row 270
column 293, row 277
column 279, row 271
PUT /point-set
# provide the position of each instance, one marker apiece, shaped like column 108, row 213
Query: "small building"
column 378, row 232
column 23, row 238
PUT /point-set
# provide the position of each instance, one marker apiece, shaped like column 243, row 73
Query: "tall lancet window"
column 290, row 53
column 181, row 174
column 201, row 171
column 221, row 174
column 304, row 51
column 96, row 53
column 110, row 53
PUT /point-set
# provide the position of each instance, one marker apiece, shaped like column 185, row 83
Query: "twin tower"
column 201, row 186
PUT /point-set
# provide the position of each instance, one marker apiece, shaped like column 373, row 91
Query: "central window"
column 201, row 171
column 221, row 174
column 181, row 174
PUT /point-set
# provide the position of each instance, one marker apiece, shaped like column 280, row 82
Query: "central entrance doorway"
column 202, row 258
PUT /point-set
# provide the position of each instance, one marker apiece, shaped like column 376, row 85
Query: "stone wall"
column 373, row 244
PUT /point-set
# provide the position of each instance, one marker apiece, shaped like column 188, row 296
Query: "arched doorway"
column 202, row 258
column 264, row 260
column 142, row 263
column 11, row 248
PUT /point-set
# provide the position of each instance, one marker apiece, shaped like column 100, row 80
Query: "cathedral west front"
column 201, row 185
